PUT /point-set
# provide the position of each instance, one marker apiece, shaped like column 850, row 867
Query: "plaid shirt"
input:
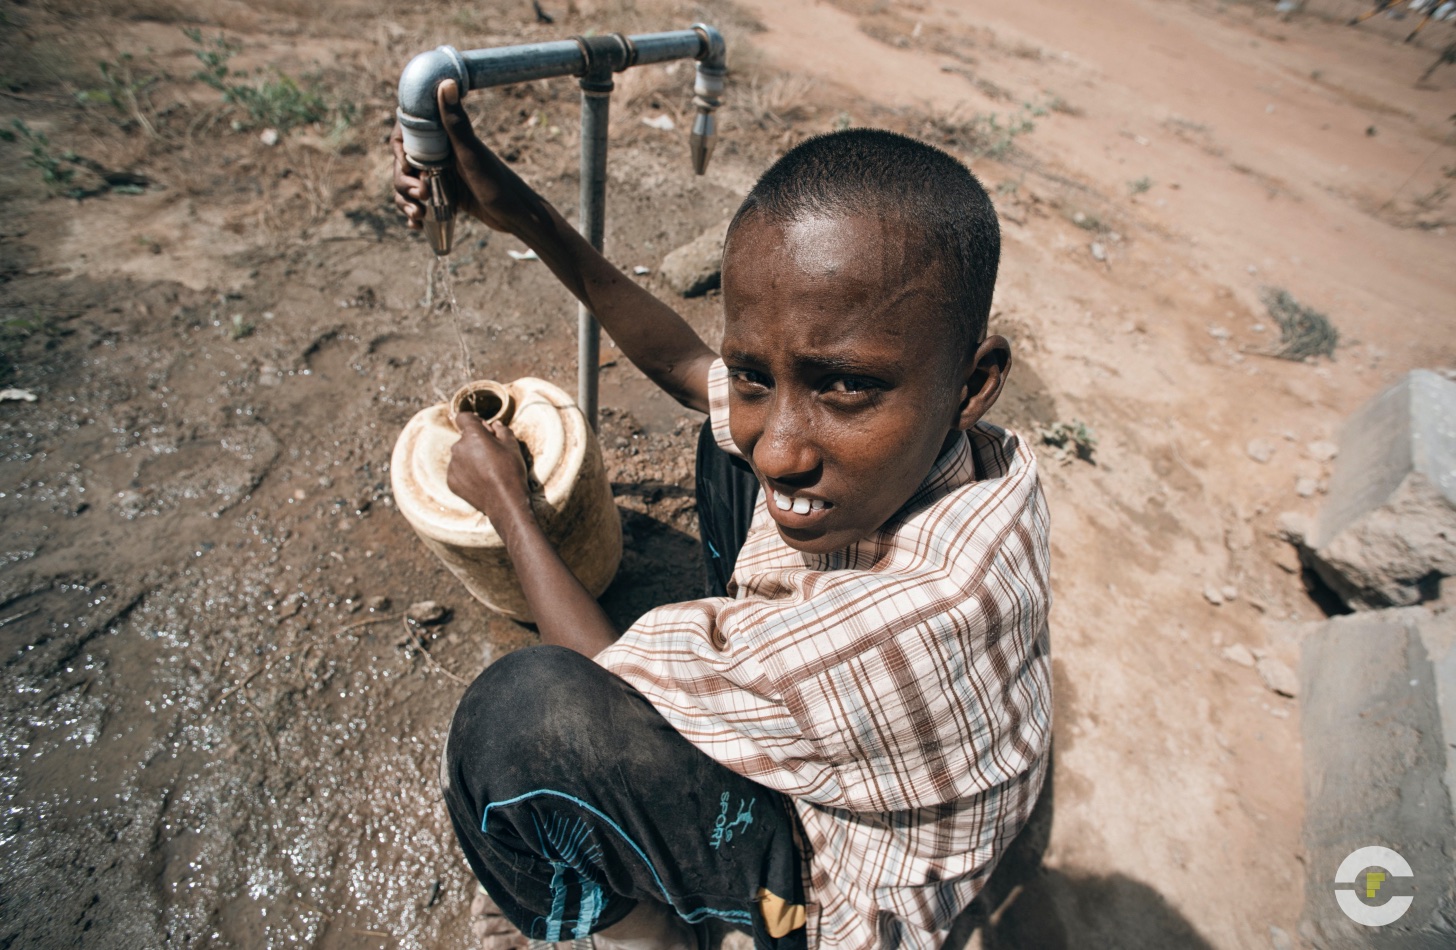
column 899, row 689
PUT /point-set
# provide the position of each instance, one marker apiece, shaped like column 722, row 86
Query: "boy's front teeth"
column 799, row 506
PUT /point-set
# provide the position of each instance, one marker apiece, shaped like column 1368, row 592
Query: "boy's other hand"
column 486, row 187
column 488, row 470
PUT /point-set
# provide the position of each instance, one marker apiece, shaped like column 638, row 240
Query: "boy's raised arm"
column 649, row 332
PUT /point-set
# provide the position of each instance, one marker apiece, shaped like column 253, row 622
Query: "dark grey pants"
column 573, row 799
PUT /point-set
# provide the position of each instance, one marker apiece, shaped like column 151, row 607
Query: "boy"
column 837, row 751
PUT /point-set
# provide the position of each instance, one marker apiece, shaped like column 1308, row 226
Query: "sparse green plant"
column 1056, row 103
column 1139, row 185
column 984, row 134
column 1008, row 187
column 239, row 328
column 280, row 102
column 18, row 329
column 1073, row 439
column 1432, row 199
column 1304, row 332
column 1087, row 222
column 57, row 171
column 124, row 88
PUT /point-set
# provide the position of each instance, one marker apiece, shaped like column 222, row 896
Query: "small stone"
column 1306, row 487
column 426, row 612
column 1278, row 939
column 1278, row 677
column 377, row 604
column 291, row 604
column 1238, row 653
column 1260, row 450
column 299, row 494
column 1286, row 558
column 1099, row 253
column 1218, row 333
column 1292, row 527
column 1213, row 596
column 1322, row 451
column 1230, row 593
column 269, row 137
column 641, row 271
column 697, row 267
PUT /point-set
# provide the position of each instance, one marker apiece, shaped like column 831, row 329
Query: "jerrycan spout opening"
column 488, row 399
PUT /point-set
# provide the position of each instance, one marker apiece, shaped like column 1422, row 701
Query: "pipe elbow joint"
column 425, row 141
column 714, row 53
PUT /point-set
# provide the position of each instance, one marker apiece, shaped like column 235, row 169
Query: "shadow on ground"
column 1027, row 906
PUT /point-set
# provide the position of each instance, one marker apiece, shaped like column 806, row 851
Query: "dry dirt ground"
column 215, row 733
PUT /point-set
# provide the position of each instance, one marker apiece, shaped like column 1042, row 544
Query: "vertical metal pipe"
column 596, row 92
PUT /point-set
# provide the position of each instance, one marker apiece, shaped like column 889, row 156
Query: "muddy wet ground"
column 217, row 728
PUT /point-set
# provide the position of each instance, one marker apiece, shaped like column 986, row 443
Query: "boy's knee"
column 530, row 706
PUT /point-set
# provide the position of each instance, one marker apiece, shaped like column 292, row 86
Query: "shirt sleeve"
column 718, row 383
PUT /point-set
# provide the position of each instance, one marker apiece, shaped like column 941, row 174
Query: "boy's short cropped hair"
column 883, row 174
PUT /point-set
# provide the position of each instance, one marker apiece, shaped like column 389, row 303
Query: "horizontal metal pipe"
column 419, row 114
column 510, row 64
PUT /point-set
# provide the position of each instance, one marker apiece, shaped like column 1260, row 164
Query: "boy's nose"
column 786, row 451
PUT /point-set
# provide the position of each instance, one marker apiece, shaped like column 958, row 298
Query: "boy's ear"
column 984, row 374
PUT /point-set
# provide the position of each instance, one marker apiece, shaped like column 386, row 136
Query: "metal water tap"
column 593, row 60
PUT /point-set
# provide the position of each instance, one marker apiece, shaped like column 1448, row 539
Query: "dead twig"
column 369, row 622
column 418, row 643
column 20, row 616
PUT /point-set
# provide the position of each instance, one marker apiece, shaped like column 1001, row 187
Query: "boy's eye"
column 852, row 385
column 749, row 377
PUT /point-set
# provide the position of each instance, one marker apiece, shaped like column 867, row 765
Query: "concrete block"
column 1386, row 535
column 697, row 267
column 1378, row 717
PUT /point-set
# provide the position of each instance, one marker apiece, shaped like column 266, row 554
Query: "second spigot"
column 707, row 97
column 439, row 208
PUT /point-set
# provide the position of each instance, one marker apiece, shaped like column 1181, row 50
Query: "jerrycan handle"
column 486, row 398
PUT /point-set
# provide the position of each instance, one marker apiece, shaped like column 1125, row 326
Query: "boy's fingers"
column 452, row 113
column 467, row 421
column 413, row 212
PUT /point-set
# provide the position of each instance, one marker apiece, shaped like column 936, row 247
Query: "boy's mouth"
column 801, row 505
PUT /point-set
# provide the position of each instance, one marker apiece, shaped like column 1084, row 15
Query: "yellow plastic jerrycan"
column 570, row 493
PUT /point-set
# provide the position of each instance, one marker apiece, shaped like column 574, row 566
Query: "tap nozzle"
column 708, row 92
column 439, row 208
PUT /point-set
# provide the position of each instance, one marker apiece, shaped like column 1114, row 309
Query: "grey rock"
column 697, row 267
column 1292, row 527
column 426, row 612
column 1099, row 253
column 1213, row 595
column 1240, row 654
column 1378, row 722
column 377, row 604
column 1279, row 938
column 1322, row 451
column 1387, row 532
column 1278, row 676
column 1306, row 487
column 1260, row 450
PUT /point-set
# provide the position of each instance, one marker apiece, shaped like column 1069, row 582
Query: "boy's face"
column 845, row 380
